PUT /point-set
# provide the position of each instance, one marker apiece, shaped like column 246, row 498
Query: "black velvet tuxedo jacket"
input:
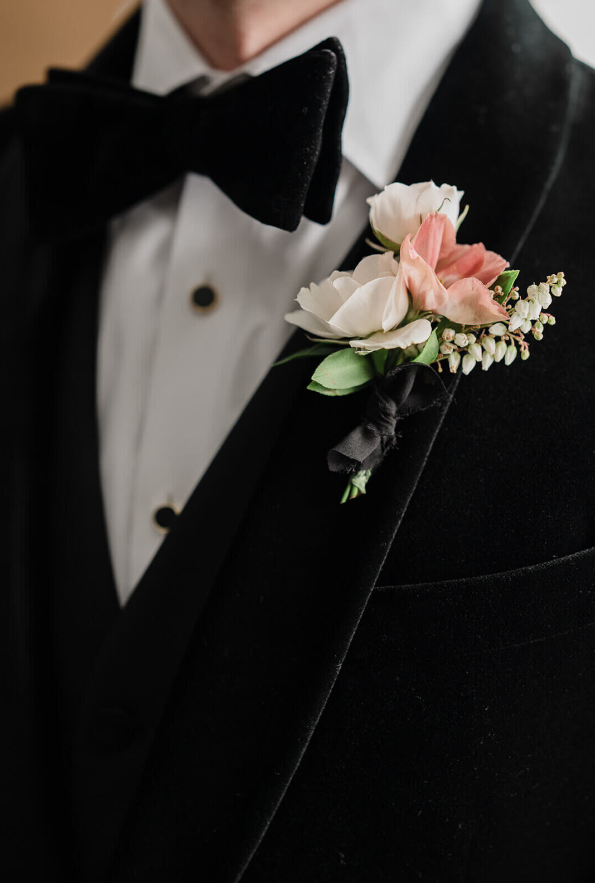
column 401, row 688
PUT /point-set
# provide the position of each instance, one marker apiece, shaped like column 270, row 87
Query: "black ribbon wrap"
column 405, row 390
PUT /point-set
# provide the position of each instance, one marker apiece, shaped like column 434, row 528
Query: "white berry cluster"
column 500, row 341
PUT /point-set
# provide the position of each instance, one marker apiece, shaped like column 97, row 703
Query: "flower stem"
column 356, row 485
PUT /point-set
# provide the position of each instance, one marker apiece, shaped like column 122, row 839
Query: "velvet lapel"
column 292, row 582
column 53, row 481
column 37, row 283
column 24, row 551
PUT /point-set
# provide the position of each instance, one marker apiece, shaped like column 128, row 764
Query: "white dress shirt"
column 173, row 380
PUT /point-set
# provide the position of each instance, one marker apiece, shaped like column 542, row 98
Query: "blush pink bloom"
column 449, row 279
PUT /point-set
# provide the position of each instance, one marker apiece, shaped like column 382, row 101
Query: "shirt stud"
column 164, row 518
column 204, row 298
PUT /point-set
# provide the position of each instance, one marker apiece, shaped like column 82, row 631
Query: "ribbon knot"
column 405, row 390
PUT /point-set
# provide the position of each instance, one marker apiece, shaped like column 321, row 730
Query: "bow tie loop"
column 94, row 148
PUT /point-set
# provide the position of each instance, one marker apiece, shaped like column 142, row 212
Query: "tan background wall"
column 36, row 34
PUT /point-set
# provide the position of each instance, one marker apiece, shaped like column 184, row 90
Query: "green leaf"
column 505, row 280
column 328, row 341
column 318, row 350
column 379, row 361
column 388, row 243
column 323, row 390
column 344, row 370
column 430, row 350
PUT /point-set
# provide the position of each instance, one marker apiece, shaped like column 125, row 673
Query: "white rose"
column 372, row 300
column 417, row 331
column 399, row 209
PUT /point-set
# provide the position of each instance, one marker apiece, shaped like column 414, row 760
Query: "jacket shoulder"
column 8, row 128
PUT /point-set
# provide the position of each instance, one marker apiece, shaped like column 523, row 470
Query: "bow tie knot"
column 183, row 119
column 94, row 148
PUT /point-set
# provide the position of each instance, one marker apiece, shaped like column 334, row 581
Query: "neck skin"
column 229, row 33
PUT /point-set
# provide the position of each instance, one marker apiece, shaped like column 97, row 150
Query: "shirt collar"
column 396, row 54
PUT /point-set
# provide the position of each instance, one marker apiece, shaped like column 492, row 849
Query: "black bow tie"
column 94, row 148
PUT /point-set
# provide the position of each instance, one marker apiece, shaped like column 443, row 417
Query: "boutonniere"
column 421, row 303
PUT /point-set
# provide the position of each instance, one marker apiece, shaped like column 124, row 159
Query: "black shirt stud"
column 204, row 298
column 164, row 518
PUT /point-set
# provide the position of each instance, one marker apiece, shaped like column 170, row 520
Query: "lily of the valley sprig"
column 422, row 299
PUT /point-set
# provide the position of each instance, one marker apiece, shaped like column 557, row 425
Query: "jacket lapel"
column 24, row 553
column 254, row 597
column 37, row 284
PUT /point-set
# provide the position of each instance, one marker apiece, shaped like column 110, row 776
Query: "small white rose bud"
column 475, row 352
column 446, row 348
column 489, row 345
column 468, row 364
column 454, row 360
column 532, row 291
column 500, row 351
column 551, row 320
column 522, row 308
column 514, row 294
column 557, row 290
column 471, row 338
column 538, row 335
column 448, row 334
column 462, row 339
column 498, row 329
column 534, row 309
column 543, row 318
column 524, row 354
column 538, row 327
column 516, row 322
column 487, row 361
column 526, row 326
column 511, row 352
